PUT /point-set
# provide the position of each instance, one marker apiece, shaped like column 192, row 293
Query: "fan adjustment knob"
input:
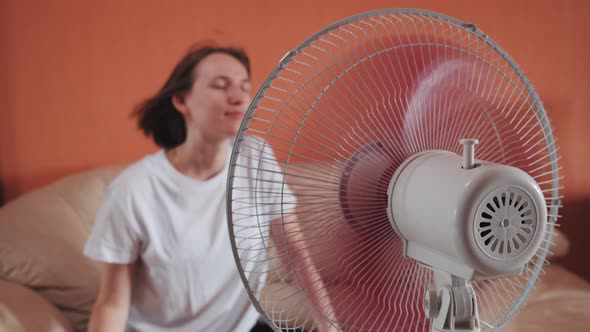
column 468, row 152
column 431, row 302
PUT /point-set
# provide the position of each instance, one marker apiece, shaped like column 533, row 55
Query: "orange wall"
column 70, row 71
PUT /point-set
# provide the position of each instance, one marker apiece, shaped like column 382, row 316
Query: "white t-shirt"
column 176, row 229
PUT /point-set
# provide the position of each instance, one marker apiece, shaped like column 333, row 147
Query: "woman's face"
column 218, row 99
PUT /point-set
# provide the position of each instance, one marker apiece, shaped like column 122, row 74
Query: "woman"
column 161, row 230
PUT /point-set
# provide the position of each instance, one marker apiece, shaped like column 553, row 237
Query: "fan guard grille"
column 405, row 81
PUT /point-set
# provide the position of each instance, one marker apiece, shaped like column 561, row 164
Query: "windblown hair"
column 157, row 116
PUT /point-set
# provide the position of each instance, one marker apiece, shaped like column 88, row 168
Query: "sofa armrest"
column 560, row 247
column 560, row 302
column 23, row 310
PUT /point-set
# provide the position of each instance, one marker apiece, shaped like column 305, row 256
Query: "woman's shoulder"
column 257, row 154
column 136, row 177
column 252, row 145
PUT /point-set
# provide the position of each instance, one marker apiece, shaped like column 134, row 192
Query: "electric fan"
column 405, row 176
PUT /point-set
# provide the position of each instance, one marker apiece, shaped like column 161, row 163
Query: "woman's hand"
column 325, row 326
column 287, row 235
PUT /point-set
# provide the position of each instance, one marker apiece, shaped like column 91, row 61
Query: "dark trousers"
column 263, row 327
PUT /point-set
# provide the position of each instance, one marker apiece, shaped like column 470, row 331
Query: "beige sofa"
column 46, row 284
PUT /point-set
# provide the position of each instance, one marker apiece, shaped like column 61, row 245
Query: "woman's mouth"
column 234, row 114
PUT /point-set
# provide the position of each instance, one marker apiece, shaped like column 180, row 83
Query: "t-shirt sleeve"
column 280, row 200
column 115, row 236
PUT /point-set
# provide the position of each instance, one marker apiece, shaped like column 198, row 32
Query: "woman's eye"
column 219, row 84
column 246, row 86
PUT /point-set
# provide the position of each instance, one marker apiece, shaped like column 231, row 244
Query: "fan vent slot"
column 505, row 223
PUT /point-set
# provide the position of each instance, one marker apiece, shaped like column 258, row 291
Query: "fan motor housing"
column 477, row 223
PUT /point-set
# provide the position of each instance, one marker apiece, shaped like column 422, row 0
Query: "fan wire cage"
column 353, row 102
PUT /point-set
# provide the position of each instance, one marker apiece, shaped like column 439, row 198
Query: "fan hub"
column 505, row 223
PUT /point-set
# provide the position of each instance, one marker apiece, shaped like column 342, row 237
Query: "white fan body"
column 479, row 223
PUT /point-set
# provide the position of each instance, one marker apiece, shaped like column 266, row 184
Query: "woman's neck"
column 199, row 159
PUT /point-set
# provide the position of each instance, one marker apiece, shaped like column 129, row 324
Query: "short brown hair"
column 157, row 116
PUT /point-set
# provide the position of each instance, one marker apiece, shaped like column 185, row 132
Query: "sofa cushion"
column 41, row 239
column 23, row 310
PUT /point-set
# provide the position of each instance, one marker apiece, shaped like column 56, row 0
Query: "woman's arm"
column 307, row 271
column 109, row 313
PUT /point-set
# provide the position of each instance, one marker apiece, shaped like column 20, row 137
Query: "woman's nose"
column 236, row 96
